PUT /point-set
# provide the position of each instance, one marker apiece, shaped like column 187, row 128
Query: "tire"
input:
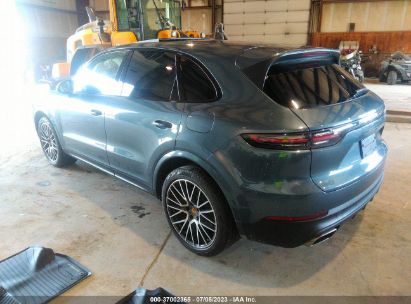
column 50, row 144
column 392, row 78
column 361, row 79
column 197, row 212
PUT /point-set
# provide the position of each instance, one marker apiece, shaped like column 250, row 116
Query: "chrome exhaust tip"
column 321, row 238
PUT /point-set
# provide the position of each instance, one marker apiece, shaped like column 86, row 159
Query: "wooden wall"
column 387, row 42
column 376, row 16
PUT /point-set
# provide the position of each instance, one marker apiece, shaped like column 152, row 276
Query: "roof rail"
column 148, row 40
column 183, row 39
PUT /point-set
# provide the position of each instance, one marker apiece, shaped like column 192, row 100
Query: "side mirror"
column 65, row 87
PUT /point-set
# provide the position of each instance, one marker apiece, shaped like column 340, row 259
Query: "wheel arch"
column 174, row 160
column 37, row 116
column 177, row 159
column 393, row 68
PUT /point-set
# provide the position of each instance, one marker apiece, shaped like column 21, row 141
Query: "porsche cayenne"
column 276, row 145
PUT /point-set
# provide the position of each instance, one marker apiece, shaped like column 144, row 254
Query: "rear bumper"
column 292, row 234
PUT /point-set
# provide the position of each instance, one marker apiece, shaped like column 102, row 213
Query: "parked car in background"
column 396, row 68
column 279, row 146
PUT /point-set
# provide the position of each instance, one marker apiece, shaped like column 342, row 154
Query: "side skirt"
column 110, row 173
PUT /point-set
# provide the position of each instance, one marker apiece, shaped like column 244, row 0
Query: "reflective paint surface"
column 137, row 134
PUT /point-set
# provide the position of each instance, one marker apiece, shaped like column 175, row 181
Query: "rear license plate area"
column 368, row 145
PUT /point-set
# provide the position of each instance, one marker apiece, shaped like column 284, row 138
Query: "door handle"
column 95, row 112
column 161, row 124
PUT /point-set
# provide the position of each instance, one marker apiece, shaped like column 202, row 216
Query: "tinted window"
column 100, row 76
column 80, row 57
column 195, row 83
column 151, row 75
column 311, row 87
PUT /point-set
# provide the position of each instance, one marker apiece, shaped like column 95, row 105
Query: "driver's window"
column 100, row 77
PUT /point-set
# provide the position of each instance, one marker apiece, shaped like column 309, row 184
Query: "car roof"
column 254, row 60
column 210, row 48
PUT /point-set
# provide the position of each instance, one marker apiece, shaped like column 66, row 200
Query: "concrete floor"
column 120, row 233
column 397, row 97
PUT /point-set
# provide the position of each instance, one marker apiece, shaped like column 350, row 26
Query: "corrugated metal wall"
column 282, row 22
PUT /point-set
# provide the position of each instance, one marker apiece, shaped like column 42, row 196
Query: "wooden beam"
column 320, row 17
column 222, row 11
column 213, row 15
column 81, row 11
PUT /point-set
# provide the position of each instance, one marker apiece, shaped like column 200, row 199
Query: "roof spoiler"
column 287, row 60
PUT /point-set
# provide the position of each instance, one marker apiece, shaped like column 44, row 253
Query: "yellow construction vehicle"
column 130, row 21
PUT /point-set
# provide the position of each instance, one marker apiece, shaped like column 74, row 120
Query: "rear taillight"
column 278, row 141
column 294, row 141
column 309, row 139
column 325, row 138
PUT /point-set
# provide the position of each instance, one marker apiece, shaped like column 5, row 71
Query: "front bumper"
column 292, row 234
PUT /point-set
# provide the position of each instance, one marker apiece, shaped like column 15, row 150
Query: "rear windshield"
column 311, row 87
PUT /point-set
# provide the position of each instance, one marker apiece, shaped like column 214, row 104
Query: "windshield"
column 128, row 15
column 159, row 15
column 150, row 17
column 311, row 87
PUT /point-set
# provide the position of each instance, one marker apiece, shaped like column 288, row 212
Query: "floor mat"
column 37, row 275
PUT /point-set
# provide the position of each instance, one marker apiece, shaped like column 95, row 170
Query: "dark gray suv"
column 280, row 146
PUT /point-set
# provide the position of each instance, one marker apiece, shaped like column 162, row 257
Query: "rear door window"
column 310, row 87
column 195, row 83
column 151, row 75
